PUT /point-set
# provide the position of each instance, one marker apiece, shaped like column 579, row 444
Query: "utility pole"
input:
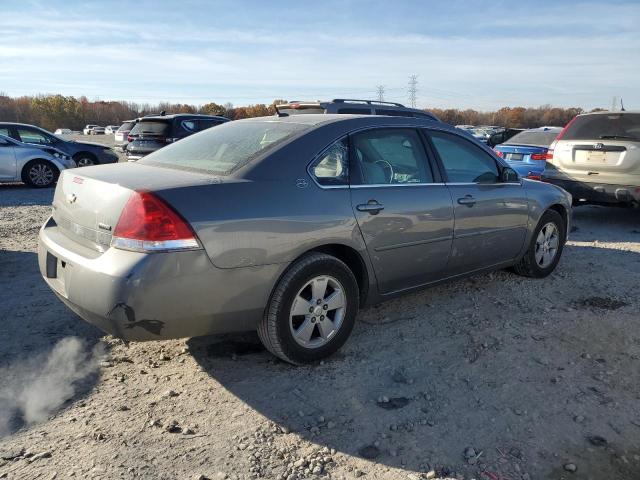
column 380, row 90
column 413, row 90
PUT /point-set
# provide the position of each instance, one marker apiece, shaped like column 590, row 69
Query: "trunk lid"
column 88, row 202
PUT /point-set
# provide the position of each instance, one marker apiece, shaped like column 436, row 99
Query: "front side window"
column 33, row 136
column 390, row 156
column 463, row 161
column 332, row 167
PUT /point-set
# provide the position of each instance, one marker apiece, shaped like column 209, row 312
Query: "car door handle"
column 372, row 207
column 467, row 200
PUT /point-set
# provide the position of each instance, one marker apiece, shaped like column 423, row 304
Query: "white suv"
column 596, row 158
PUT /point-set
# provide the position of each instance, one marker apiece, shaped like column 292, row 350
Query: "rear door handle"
column 372, row 206
column 467, row 200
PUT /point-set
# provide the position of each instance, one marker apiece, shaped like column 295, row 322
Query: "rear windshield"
column 225, row 148
column 620, row 126
column 157, row 127
column 126, row 126
column 534, row 138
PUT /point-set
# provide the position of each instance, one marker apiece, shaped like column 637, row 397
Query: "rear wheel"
column 312, row 310
column 84, row 160
column 545, row 248
column 39, row 174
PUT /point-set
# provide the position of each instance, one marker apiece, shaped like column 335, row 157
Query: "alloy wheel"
column 317, row 312
column 547, row 244
column 41, row 174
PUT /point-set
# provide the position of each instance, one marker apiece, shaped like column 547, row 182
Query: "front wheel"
column 312, row 310
column 40, row 174
column 545, row 248
column 84, row 161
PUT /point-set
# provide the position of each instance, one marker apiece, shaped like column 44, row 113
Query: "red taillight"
column 499, row 153
column 147, row 223
column 533, row 176
column 542, row 156
column 129, row 138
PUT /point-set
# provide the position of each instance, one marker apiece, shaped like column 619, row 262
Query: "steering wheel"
column 387, row 167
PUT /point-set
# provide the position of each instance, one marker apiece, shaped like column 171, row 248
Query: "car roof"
column 318, row 119
column 609, row 112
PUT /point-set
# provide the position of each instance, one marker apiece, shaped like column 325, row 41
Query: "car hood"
column 92, row 144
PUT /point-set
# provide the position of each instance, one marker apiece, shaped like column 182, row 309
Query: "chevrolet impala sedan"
column 288, row 225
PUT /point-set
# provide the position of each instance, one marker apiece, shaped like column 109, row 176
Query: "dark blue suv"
column 153, row 132
column 83, row 153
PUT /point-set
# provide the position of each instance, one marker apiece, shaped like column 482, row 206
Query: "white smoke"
column 33, row 389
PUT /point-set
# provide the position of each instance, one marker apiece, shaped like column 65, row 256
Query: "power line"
column 380, row 92
column 413, row 90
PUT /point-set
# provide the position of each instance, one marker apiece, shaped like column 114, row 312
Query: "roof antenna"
column 621, row 105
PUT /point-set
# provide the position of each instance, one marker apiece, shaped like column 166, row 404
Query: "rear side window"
column 225, row 148
column 613, row 126
column 535, row 138
column 390, row 156
column 463, row 161
column 204, row 124
column 355, row 111
column 394, row 113
column 153, row 127
column 332, row 166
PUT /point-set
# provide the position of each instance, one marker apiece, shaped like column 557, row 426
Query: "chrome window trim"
column 387, row 185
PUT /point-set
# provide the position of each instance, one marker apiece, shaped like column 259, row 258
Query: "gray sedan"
column 289, row 225
column 33, row 165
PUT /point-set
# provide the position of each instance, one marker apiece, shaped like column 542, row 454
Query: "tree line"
column 59, row 111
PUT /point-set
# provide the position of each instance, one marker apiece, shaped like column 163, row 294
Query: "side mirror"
column 495, row 139
column 509, row 175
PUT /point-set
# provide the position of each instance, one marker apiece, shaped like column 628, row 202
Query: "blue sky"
column 477, row 54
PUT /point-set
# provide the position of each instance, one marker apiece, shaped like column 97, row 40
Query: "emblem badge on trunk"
column 71, row 198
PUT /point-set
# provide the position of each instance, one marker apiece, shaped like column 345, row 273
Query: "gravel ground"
column 497, row 377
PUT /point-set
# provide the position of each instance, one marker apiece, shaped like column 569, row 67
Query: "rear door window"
column 389, row 156
column 600, row 126
column 463, row 161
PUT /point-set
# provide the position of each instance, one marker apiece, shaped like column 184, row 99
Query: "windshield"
column 623, row 126
column 225, row 148
column 154, row 127
column 535, row 138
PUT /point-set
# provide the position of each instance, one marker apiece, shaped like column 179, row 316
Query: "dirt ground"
column 496, row 378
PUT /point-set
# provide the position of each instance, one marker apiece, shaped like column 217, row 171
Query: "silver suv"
column 353, row 107
column 596, row 158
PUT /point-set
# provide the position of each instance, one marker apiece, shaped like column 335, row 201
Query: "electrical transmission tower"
column 413, row 90
column 380, row 90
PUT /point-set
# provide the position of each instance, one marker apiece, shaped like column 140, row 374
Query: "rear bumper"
column 589, row 192
column 139, row 296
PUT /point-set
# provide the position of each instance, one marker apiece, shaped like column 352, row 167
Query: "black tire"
column 40, row 174
column 274, row 329
column 83, row 159
column 528, row 266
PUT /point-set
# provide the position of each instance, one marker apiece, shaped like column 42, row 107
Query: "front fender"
column 542, row 197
